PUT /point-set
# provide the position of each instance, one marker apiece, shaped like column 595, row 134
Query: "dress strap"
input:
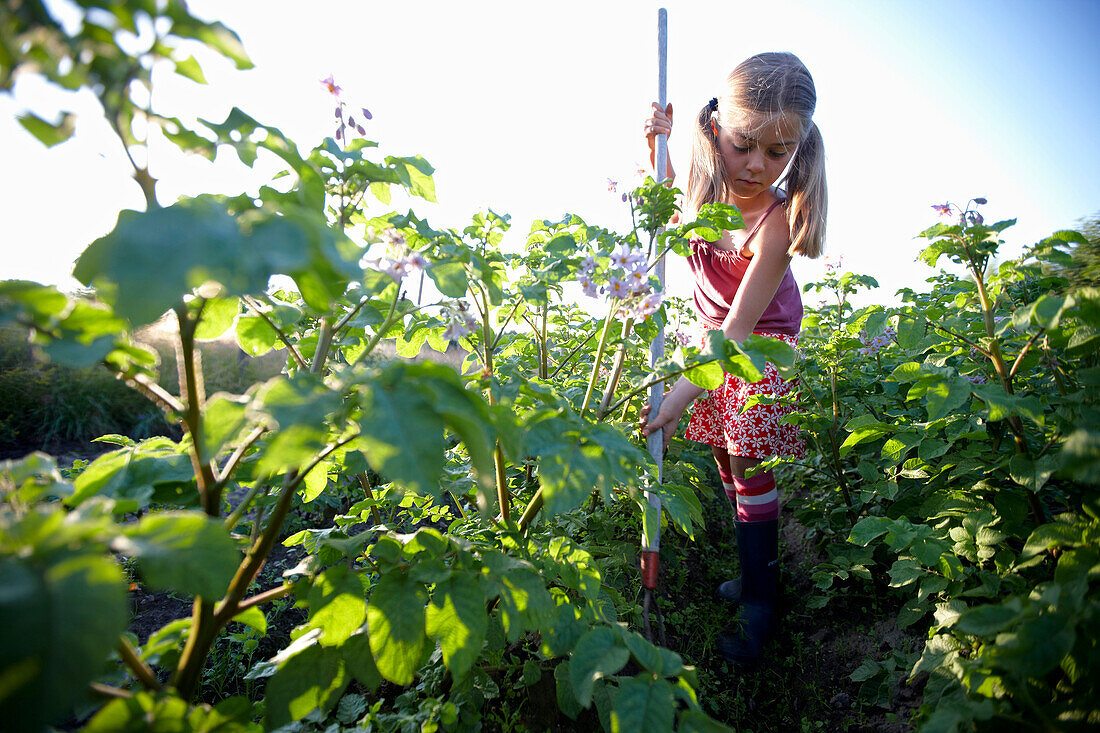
column 760, row 222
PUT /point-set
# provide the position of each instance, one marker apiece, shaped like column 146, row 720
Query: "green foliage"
column 957, row 436
column 947, row 426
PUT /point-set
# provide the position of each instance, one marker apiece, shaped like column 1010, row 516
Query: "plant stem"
column 600, row 348
column 234, row 460
column 617, row 369
column 544, row 352
column 108, row 692
column 267, row 595
column 298, row 358
column 364, row 482
column 381, row 329
column 140, row 669
column 324, row 340
column 208, row 620
column 193, row 393
column 235, row 516
column 532, row 510
column 571, row 354
column 144, row 383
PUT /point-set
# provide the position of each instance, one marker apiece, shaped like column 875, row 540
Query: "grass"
column 52, row 407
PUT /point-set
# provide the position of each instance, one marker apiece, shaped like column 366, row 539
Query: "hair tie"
column 712, row 105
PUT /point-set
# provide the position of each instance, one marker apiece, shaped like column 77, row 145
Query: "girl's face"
column 756, row 150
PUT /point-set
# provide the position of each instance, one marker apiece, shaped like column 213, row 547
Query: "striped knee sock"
column 757, row 498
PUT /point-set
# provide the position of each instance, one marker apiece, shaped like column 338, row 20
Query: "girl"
column 743, row 141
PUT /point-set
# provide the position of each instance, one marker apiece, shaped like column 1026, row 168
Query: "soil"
column 803, row 682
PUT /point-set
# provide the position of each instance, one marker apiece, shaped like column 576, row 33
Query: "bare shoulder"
column 774, row 235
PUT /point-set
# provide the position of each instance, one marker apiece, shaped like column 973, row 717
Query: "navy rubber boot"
column 758, row 549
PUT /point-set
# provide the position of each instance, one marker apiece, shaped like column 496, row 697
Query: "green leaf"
column 895, row 448
column 1032, row 475
column 450, row 278
column 49, row 134
column 58, row 622
column 312, row 679
column 643, row 704
column 316, row 481
column 416, row 175
column 360, row 660
column 456, row 618
column 253, row 617
column 1050, row 535
column 696, row 721
column 182, row 551
column 868, row 529
column 223, row 419
column 255, row 336
column 337, row 605
column 190, row 69
column 567, row 701
column 217, row 317
column 945, row 396
column 151, row 260
column 599, row 653
column 396, row 626
column 136, row 473
column 707, row 376
column 402, row 435
column 990, row 619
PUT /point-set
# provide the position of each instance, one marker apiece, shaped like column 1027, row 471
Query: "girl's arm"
column 762, row 279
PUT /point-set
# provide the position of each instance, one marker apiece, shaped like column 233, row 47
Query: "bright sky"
column 529, row 108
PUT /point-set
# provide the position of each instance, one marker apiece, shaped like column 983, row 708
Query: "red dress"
column 719, row 417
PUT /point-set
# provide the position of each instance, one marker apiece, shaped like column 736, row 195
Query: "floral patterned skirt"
column 720, row 419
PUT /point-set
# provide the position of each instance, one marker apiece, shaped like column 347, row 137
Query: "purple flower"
column 972, row 218
column 393, row 238
column 975, row 378
column 330, row 84
column 415, row 262
column 647, row 306
column 943, row 209
column 629, row 259
column 617, row 288
column 638, row 281
column 612, row 186
column 588, row 265
column 455, row 331
column 588, row 286
column 397, row 269
column 682, row 338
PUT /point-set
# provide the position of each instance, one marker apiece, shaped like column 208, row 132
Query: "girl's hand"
column 659, row 122
column 668, row 417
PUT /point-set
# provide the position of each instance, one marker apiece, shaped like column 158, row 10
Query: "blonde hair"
column 770, row 84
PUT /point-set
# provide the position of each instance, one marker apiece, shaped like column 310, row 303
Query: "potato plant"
column 452, row 578
column 956, row 467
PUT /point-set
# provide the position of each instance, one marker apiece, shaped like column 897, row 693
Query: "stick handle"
column 651, row 531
